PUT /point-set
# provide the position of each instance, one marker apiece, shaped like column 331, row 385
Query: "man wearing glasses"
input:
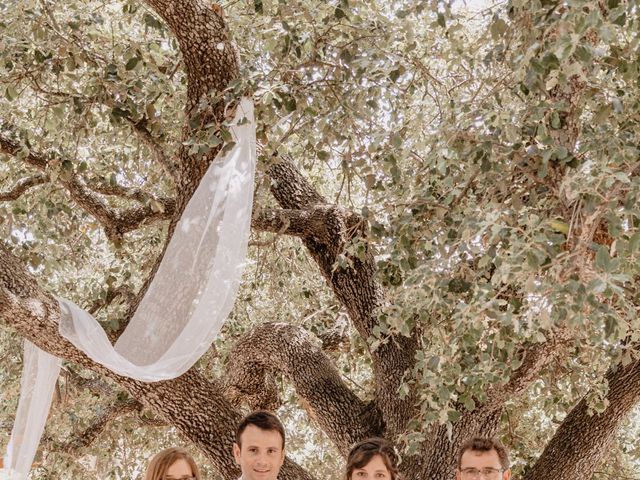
column 483, row 458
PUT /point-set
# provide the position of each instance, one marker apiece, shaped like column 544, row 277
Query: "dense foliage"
column 493, row 153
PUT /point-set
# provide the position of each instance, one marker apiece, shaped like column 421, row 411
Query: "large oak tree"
column 445, row 233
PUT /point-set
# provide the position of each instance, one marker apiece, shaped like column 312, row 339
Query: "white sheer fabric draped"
column 183, row 310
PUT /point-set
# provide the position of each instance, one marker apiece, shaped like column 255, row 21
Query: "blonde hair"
column 162, row 461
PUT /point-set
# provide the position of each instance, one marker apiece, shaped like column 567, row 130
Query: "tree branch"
column 93, row 431
column 143, row 133
column 296, row 354
column 564, row 456
column 167, row 204
column 535, row 358
column 116, row 223
column 309, row 223
column 96, row 385
column 290, row 188
column 139, row 127
column 355, row 286
column 180, row 402
column 22, row 186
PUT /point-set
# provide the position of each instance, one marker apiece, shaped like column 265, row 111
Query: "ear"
column 507, row 475
column 458, row 474
column 236, row 452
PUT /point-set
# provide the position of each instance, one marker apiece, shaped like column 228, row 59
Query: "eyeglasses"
column 180, row 478
column 488, row 473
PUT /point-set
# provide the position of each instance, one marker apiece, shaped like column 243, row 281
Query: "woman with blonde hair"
column 173, row 464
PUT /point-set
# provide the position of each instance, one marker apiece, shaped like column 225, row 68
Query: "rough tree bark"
column 206, row 411
column 296, row 354
column 584, row 438
column 355, row 287
column 194, row 405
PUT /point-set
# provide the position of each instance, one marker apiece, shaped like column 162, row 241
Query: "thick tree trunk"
column 583, row 439
column 438, row 458
column 297, row 354
column 191, row 403
column 201, row 409
column 356, row 287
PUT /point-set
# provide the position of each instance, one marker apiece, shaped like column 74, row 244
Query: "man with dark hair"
column 483, row 458
column 259, row 446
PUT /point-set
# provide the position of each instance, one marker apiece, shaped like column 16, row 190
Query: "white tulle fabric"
column 184, row 308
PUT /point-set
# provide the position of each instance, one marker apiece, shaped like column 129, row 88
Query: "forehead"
column 375, row 464
column 179, row 468
column 474, row 458
column 256, row 437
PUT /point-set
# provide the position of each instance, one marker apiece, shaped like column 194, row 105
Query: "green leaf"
column 559, row 225
column 394, row 74
column 118, row 112
column 131, row 64
column 621, row 19
column 634, row 242
column 153, row 22
column 603, row 260
column 454, row 416
column 214, row 141
column 290, row 103
column 11, row 93
column 561, row 153
column 498, row 28
column 603, row 114
column 469, row 404
column 323, row 155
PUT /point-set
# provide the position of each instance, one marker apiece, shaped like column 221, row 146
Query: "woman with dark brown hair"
column 173, row 464
column 372, row 459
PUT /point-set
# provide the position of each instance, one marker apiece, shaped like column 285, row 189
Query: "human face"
column 374, row 470
column 260, row 453
column 179, row 470
column 476, row 465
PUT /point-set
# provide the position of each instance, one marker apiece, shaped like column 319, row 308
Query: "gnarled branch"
column 93, row 431
column 115, row 222
column 168, row 205
column 297, row 354
column 355, row 287
column 22, row 186
column 180, row 401
column 310, row 223
column 564, row 457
